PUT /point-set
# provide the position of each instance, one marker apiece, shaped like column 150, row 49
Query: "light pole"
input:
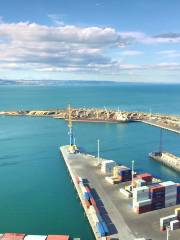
column 167, row 231
column 98, row 150
column 132, row 174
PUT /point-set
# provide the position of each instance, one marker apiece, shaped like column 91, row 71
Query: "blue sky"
column 121, row 40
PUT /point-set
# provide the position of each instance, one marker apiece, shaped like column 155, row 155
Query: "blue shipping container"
column 86, row 195
column 100, row 229
column 105, row 228
column 178, row 189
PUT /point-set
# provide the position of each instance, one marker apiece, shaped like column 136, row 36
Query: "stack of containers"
column 174, row 225
column 139, row 182
column 157, row 195
column 146, row 177
column 15, row 236
column 86, row 192
column 93, row 210
column 165, row 221
column 170, row 193
column 107, row 166
column 124, row 174
column 178, row 194
column 98, row 221
column 141, row 200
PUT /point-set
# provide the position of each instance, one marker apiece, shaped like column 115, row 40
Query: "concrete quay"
column 122, row 222
column 161, row 125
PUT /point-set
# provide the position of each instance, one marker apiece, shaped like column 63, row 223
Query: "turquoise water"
column 140, row 97
column 36, row 193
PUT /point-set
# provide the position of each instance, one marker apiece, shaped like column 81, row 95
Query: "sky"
column 118, row 40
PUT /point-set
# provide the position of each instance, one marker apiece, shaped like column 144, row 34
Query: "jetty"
column 122, row 222
column 104, row 115
column 167, row 159
column 163, row 125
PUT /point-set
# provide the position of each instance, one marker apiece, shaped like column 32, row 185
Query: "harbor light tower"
column 72, row 146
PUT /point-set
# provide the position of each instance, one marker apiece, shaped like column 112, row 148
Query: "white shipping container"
column 107, row 166
column 92, row 209
column 174, row 225
column 141, row 193
column 35, row 237
column 169, row 199
column 142, row 203
column 166, row 220
column 169, row 187
column 95, row 218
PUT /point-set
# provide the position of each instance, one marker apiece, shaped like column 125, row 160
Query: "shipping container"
column 145, row 176
column 86, row 196
column 143, row 209
column 95, row 218
column 105, row 228
column 174, row 225
column 165, row 221
column 58, row 237
column 35, row 237
column 9, row 236
column 100, row 229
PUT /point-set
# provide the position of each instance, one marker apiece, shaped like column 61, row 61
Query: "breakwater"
column 168, row 122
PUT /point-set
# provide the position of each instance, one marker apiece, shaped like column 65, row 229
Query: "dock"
column 161, row 125
column 122, row 222
column 167, row 159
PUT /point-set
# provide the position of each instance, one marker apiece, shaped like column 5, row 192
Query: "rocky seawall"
column 103, row 115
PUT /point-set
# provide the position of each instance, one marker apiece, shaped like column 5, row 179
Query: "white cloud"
column 168, row 66
column 170, row 53
column 66, row 48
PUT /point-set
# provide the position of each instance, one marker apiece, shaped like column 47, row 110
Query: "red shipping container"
column 13, row 236
column 87, row 203
column 58, row 237
column 157, row 188
column 93, row 201
column 143, row 209
column 145, row 176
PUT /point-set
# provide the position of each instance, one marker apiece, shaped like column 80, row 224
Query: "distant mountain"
column 54, row 82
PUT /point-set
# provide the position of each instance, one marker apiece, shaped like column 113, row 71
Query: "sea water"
column 36, row 192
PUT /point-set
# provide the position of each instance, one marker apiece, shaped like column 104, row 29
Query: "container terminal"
column 121, row 220
column 125, row 217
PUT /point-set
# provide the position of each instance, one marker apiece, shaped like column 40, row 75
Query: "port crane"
column 72, row 145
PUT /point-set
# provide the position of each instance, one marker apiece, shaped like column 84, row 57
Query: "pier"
column 162, row 125
column 122, row 222
column 167, row 159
